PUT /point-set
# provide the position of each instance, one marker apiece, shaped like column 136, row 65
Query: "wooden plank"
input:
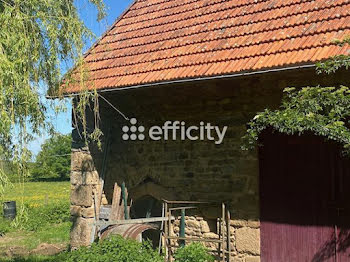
column 187, row 202
column 134, row 221
column 105, row 212
column 121, row 212
column 166, row 233
column 94, row 227
column 180, row 208
column 129, row 208
column 103, row 171
column 222, row 232
column 125, row 195
column 115, row 211
column 161, row 230
column 196, row 239
column 170, row 256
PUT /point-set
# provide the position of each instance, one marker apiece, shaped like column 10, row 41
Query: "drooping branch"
column 324, row 111
column 37, row 38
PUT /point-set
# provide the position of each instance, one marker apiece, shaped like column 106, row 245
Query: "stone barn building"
column 171, row 65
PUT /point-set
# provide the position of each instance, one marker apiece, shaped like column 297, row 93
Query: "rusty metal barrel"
column 131, row 231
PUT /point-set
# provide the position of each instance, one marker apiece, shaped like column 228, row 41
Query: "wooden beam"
column 222, row 233
column 134, row 221
column 187, row 202
column 196, row 239
column 228, row 230
column 180, row 208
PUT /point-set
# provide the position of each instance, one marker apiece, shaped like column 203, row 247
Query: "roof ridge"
column 244, row 3
column 97, row 42
column 196, row 15
column 225, row 27
column 204, row 22
column 227, row 47
column 157, row 3
column 162, row 9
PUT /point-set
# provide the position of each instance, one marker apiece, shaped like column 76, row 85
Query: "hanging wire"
column 116, row 109
column 58, row 155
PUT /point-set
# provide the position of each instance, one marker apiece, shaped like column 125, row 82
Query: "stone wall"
column 84, row 184
column 245, row 236
column 183, row 170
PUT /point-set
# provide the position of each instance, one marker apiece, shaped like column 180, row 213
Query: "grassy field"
column 45, row 218
column 38, row 193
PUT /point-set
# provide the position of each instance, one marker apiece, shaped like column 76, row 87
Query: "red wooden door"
column 343, row 237
column 303, row 182
column 341, row 167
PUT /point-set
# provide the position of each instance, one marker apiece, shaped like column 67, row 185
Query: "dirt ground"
column 12, row 250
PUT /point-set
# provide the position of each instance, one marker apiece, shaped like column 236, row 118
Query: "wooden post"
column 228, row 230
column 166, row 232
column 182, row 228
column 222, row 232
column 94, row 226
column 170, row 258
column 161, row 231
column 103, row 171
column 125, row 201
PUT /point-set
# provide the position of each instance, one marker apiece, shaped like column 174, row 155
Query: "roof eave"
column 196, row 79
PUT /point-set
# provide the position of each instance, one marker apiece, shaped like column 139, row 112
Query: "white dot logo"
column 130, row 133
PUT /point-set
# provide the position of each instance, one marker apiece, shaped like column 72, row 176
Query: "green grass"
column 38, row 193
column 46, row 203
column 51, row 234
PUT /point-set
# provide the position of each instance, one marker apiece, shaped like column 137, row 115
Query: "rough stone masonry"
column 182, row 170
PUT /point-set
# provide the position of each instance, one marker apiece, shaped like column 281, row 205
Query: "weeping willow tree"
column 38, row 38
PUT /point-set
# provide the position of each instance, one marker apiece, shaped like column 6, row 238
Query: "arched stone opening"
column 152, row 189
column 147, row 207
column 147, row 203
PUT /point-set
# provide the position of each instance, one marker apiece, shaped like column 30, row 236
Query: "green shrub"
column 38, row 217
column 35, row 218
column 32, row 258
column 194, row 252
column 114, row 249
column 5, row 226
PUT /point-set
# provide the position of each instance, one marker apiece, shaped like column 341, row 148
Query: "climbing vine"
column 324, row 111
column 341, row 61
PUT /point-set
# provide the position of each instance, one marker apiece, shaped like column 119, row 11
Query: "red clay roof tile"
column 162, row 40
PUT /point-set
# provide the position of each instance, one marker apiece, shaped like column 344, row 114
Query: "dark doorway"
column 304, row 194
column 147, row 207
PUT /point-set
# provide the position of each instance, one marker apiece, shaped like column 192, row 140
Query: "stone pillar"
column 84, row 184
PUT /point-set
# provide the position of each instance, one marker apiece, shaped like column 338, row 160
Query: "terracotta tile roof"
column 164, row 40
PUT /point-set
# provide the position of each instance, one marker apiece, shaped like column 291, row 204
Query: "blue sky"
column 62, row 121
